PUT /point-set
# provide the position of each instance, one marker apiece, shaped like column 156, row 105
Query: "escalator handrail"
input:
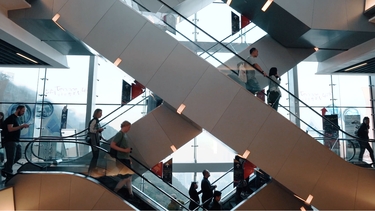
column 244, row 60
column 104, row 150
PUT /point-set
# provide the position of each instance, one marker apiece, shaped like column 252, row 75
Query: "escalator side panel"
column 55, row 191
column 152, row 136
column 271, row 197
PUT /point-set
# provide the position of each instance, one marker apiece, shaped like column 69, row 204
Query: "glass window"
column 208, row 150
column 68, row 85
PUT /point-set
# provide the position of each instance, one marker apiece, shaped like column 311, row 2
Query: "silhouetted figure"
column 194, row 197
column 207, row 189
column 364, row 140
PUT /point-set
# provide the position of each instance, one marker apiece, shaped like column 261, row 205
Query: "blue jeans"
column 13, row 154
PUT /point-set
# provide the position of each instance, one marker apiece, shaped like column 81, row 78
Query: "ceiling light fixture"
column 229, row 2
column 25, row 57
column 246, row 154
column 309, row 199
column 181, row 108
column 117, row 62
column 316, row 49
column 56, row 17
column 173, row 148
column 266, row 5
column 352, row 68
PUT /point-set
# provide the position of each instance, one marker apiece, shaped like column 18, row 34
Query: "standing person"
column 120, row 143
column 252, row 83
column 364, row 139
column 207, row 189
column 94, row 135
column 11, row 139
column 194, row 197
column 273, row 92
column 215, row 204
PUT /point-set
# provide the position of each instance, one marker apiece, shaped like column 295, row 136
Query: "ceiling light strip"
column 352, row 68
column 25, row 57
column 266, row 5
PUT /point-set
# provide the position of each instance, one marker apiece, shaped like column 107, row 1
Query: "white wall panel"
column 49, row 185
column 302, row 10
column 145, row 54
column 7, row 199
column 80, row 17
column 112, row 34
column 27, row 191
column 57, row 5
column 178, row 130
column 152, row 136
column 209, row 99
column 330, row 15
column 338, row 177
column 55, row 191
column 355, row 18
column 79, row 188
column 149, row 139
column 276, row 138
column 365, row 191
column 178, row 75
column 299, row 162
column 241, row 121
column 272, row 197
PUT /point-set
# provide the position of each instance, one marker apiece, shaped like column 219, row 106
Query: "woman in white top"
column 274, row 92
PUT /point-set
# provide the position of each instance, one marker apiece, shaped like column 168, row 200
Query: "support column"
column 91, row 88
column 293, row 103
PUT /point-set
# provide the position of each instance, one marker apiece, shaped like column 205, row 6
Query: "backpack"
column 87, row 138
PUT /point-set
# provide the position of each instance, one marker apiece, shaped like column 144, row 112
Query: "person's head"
column 206, row 173
column 366, row 120
column 97, row 113
column 194, row 185
column 253, row 52
column 217, row 195
column 273, row 71
column 125, row 126
column 20, row 110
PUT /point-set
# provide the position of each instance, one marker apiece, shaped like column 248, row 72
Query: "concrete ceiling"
column 281, row 23
column 14, row 4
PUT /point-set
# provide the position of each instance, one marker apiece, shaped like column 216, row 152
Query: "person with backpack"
column 93, row 137
column 273, row 93
column 12, row 132
column 120, row 143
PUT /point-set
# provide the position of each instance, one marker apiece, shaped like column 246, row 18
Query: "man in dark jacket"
column 207, row 189
column 364, row 140
column 215, row 204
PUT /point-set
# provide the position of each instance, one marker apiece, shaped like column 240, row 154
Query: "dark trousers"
column 363, row 146
column 207, row 204
column 94, row 141
column 13, row 154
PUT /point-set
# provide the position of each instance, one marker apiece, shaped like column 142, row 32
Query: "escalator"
column 214, row 102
